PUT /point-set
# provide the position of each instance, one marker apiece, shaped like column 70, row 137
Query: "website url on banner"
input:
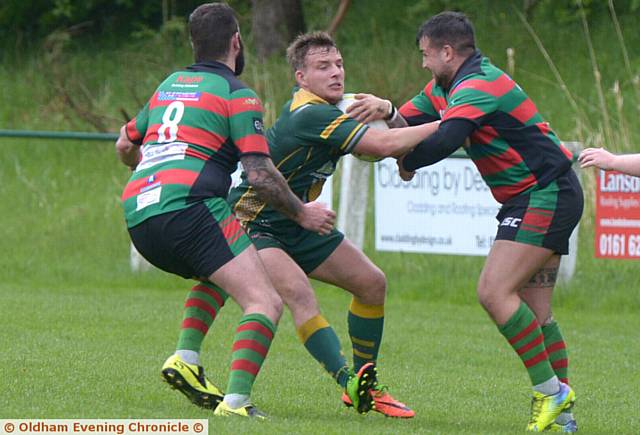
column 417, row 240
column 105, row 427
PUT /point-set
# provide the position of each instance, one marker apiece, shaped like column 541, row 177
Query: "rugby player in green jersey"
column 529, row 171
column 182, row 148
column 306, row 143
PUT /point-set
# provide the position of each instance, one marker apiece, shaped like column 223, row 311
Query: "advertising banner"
column 617, row 216
column 446, row 209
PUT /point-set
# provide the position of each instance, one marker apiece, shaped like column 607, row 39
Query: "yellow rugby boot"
column 223, row 410
column 567, row 424
column 545, row 409
column 190, row 380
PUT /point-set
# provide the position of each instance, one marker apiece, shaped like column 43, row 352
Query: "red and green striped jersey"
column 513, row 147
column 305, row 143
column 193, row 130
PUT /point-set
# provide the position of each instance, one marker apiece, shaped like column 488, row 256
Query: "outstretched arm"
column 440, row 145
column 394, row 142
column 449, row 137
column 601, row 158
column 273, row 189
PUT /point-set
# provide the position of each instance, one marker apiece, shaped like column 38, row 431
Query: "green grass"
column 95, row 352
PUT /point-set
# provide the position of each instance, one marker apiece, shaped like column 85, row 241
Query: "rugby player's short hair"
column 449, row 28
column 211, row 26
column 297, row 51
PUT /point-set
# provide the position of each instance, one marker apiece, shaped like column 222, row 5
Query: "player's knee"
column 263, row 299
column 374, row 287
column 482, row 299
column 271, row 305
column 277, row 307
column 379, row 283
column 485, row 294
column 300, row 295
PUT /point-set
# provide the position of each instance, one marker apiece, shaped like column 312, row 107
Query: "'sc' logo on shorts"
column 511, row 222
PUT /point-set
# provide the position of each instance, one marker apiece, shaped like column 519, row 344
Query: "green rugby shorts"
column 306, row 248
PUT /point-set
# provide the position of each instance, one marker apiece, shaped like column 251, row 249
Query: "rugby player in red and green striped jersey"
column 529, row 171
column 182, row 147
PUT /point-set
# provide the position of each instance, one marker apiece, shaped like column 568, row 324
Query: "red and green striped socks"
column 322, row 343
column 365, row 329
column 250, row 346
column 557, row 350
column 201, row 308
column 525, row 336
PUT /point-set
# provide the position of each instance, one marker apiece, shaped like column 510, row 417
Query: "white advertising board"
column 446, row 209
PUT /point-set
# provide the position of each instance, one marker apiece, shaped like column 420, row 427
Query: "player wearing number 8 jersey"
column 193, row 129
column 182, row 147
column 529, row 172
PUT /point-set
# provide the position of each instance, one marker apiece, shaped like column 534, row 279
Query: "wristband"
column 393, row 115
column 393, row 112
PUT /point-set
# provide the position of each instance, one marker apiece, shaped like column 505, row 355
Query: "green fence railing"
column 77, row 135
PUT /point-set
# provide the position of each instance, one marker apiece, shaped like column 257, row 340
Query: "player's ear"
column 448, row 51
column 235, row 40
column 300, row 78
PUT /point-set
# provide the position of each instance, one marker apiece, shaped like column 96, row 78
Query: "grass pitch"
column 96, row 352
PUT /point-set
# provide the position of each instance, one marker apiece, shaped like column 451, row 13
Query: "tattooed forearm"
column 270, row 185
column 546, row 277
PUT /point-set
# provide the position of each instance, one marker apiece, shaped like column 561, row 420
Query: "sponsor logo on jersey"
column 178, row 96
column 152, row 186
column 258, row 126
column 159, row 153
column 189, row 79
column 148, row 198
column 251, row 101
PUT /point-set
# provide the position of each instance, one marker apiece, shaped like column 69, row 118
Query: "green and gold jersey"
column 305, row 144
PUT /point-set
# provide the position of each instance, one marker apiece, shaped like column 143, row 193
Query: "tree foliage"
column 26, row 22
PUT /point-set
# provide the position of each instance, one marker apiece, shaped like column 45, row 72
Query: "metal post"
column 354, row 192
column 568, row 262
